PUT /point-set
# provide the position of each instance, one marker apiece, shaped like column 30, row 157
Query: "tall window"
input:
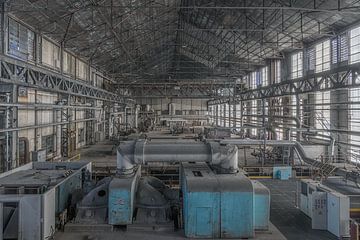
column 253, row 118
column 322, row 56
column 339, row 49
column 231, row 115
column 50, row 54
column 322, row 112
column 227, row 115
column 21, row 41
column 69, row 63
column 355, row 45
column 264, row 76
column 310, row 59
column 354, row 122
column 211, row 114
column 238, row 115
column 253, row 84
column 297, row 65
column 98, row 81
column 82, row 70
column 277, row 73
column 221, row 115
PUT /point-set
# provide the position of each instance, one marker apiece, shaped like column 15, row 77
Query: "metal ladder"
column 325, row 169
column 346, row 156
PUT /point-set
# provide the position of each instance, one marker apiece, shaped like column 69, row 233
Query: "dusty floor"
column 294, row 224
column 272, row 234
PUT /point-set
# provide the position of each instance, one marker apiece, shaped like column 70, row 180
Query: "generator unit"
column 216, row 205
column 214, row 200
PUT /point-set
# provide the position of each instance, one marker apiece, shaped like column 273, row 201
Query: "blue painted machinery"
column 216, row 205
column 282, row 172
column 216, row 200
column 262, row 206
column 122, row 199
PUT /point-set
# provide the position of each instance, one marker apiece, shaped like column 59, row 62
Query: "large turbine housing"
column 130, row 154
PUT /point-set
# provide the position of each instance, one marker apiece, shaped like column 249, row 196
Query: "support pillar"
column 298, row 115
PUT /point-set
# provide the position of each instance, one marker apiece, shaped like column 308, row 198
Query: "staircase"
column 324, row 168
column 340, row 156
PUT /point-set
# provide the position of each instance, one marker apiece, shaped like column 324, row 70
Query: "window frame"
column 297, row 65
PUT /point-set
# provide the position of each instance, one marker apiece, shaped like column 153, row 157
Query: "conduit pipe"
column 297, row 120
column 130, row 154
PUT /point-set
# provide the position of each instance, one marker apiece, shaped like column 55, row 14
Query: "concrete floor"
column 272, row 234
column 291, row 222
column 102, row 154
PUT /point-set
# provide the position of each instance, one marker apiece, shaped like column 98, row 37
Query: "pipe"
column 299, row 124
column 249, row 142
column 44, row 125
column 297, row 120
column 350, row 175
column 26, row 106
column 184, row 152
column 130, row 154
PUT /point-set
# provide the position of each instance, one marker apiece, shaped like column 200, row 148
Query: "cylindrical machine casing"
column 131, row 153
column 178, row 152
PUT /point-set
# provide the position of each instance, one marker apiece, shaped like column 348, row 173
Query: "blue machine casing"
column 236, row 206
column 121, row 199
column 282, row 172
column 261, row 206
column 216, row 205
column 200, row 201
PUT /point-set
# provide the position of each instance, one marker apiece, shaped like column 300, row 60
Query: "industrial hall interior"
column 179, row 119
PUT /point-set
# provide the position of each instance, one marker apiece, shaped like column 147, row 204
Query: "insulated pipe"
column 349, row 175
column 248, row 142
column 297, row 120
column 298, row 124
column 138, row 152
